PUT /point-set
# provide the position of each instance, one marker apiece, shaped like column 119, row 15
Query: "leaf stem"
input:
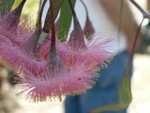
column 145, row 14
column 52, row 25
column 134, row 44
column 39, row 20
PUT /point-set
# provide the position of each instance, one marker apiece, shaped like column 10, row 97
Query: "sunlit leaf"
column 30, row 9
column 16, row 3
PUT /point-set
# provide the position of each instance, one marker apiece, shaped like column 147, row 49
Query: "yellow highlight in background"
column 30, row 9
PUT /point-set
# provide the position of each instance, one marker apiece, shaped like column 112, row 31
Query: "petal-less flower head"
column 9, row 26
column 98, row 50
column 57, row 81
column 17, row 59
column 12, row 41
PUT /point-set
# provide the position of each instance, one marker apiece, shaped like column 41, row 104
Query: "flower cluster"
column 67, row 69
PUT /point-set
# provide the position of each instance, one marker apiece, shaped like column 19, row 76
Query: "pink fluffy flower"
column 57, row 81
column 96, row 51
column 17, row 59
column 11, row 28
column 12, row 41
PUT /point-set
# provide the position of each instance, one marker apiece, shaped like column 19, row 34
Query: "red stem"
column 52, row 25
column 134, row 43
column 145, row 14
column 39, row 20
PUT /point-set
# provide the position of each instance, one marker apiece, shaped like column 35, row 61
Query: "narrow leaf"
column 57, row 5
column 6, row 6
column 65, row 19
column 109, row 108
column 125, row 95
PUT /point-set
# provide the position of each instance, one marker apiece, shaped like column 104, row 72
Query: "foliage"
column 125, row 96
column 6, row 6
column 65, row 19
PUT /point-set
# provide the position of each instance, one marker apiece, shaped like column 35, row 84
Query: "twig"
column 145, row 14
column 134, row 43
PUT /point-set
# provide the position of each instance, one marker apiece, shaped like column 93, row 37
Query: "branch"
column 145, row 14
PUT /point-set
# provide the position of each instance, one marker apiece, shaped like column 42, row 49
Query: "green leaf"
column 125, row 89
column 65, row 19
column 125, row 96
column 6, row 6
column 110, row 108
column 57, row 5
column 16, row 3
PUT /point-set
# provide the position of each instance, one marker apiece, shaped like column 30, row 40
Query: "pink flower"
column 17, row 59
column 57, row 81
column 96, row 51
column 10, row 28
column 14, row 40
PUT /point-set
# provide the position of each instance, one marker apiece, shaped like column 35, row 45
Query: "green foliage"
column 125, row 89
column 6, row 6
column 29, row 3
column 109, row 108
column 57, row 5
column 16, row 3
column 65, row 19
column 125, row 96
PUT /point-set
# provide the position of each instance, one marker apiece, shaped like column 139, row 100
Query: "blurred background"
column 15, row 103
